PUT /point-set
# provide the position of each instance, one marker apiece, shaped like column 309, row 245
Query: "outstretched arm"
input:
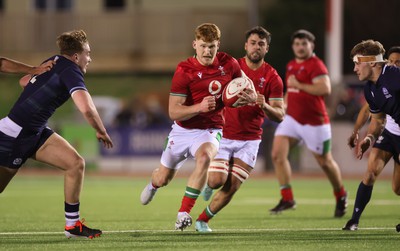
column 84, row 102
column 11, row 66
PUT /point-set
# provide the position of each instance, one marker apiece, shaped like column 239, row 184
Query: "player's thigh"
column 206, row 153
column 282, row 145
column 377, row 160
column 6, row 175
column 239, row 173
column 56, row 151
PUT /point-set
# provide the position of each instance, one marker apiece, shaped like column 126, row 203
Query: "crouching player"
column 242, row 131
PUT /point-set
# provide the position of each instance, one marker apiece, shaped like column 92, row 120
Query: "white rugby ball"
column 233, row 88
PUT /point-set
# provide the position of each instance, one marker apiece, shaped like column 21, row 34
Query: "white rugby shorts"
column 183, row 143
column 316, row 138
column 245, row 150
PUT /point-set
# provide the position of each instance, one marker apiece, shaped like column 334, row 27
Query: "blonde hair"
column 207, row 32
column 367, row 48
column 72, row 42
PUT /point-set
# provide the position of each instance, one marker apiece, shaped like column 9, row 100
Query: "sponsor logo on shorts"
column 17, row 161
column 380, row 138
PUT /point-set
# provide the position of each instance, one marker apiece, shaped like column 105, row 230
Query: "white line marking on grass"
column 263, row 201
column 189, row 231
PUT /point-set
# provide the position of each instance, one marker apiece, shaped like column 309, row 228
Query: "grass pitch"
column 32, row 217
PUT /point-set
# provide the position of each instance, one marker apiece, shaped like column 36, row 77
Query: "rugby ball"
column 233, row 88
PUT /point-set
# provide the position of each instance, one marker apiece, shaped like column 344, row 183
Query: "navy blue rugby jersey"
column 384, row 95
column 45, row 93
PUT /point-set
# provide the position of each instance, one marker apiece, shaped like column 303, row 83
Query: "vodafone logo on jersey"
column 214, row 87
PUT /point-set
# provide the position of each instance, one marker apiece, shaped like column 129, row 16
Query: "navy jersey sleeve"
column 72, row 78
column 369, row 98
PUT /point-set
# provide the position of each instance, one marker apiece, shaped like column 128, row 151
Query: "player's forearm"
column 375, row 128
column 274, row 113
column 11, row 66
column 362, row 118
column 317, row 90
column 182, row 112
column 93, row 118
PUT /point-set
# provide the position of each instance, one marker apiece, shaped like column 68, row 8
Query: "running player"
column 369, row 65
column 196, row 107
column 306, row 121
column 24, row 133
column 242, row 131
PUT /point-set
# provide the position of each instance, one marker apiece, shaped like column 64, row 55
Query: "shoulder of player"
column 391, row 71
column 225, row 57
column 315, row 60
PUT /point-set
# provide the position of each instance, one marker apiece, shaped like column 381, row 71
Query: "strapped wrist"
column 370, row 137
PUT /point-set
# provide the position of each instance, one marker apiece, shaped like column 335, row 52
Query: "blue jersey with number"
column 45, row 93
column 384, row 95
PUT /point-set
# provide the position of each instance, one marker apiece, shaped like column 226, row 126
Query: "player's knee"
column 78, row 164
column 217, row 173
column 277, row 157
column 203, row 159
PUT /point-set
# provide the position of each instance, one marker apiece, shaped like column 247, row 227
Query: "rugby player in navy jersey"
column 382, row 92
column 378, row 157
column 24, row 133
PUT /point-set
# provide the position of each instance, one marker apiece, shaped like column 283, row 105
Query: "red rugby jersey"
column 244, row 123
column 196, row 81
column 306, row 108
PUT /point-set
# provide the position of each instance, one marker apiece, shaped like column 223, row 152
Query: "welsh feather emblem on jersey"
column 262, row 81
column 221, row 68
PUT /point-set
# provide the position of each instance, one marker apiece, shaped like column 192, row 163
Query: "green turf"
column 32, row 217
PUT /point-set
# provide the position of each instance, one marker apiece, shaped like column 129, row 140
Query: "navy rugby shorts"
column 15, row 151
column 389, row 142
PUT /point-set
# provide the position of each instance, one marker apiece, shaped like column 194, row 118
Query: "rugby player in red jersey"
column 242, row 131
column 306, row 121
column 195, row 105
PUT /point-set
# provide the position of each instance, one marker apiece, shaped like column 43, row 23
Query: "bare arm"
column 11, row 66
column 321, row 85
column 275, row 110
column 374, row 130
column 84, row 102
column 180, row 112
column 362, row 118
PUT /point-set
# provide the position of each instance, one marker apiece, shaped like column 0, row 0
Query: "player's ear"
column 75, row 56
column 194, row 44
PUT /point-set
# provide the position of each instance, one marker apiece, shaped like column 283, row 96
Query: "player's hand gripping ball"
column 232, row 89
